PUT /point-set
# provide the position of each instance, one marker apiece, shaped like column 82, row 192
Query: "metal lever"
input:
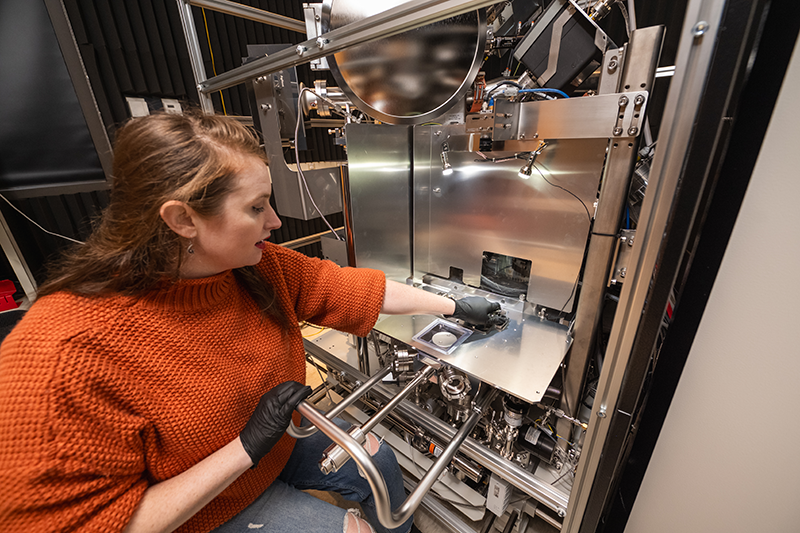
column 387, row 517
column 307, row 431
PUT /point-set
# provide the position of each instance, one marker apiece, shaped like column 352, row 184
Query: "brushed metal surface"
column 520, row 360
column 380, row 197
column 579, row 118
column 487, row 207
column 412, row 77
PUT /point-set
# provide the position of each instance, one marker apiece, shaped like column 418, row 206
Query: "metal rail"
column 387, row 517
column 251, row 13
column 404, row 17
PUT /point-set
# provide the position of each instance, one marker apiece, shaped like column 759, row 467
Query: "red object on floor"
column 7, row 291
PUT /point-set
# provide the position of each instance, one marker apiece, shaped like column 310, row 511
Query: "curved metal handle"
column 387, row 517
column 307, row 431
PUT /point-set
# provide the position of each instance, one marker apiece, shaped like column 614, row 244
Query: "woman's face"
column 235, row 238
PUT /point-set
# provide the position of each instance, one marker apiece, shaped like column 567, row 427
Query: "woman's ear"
column 180, row 218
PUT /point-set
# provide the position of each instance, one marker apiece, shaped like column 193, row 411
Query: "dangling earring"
column 190, row 249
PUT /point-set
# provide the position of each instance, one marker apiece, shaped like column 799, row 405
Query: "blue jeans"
column 283, row 507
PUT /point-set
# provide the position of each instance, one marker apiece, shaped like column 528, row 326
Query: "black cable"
column 565, row 190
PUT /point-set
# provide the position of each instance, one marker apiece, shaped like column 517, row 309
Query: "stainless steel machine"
column 515, row 189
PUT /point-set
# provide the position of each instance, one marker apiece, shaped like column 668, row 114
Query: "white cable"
column 37, row 225
column 297, row 158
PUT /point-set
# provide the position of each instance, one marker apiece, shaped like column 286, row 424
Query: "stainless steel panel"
column 580, row 118
column 380, row 189
column 520, row 360
column 412, row 77
column 484, row 206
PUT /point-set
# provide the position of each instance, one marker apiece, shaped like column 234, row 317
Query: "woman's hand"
column 271, row 418
column 475, row 310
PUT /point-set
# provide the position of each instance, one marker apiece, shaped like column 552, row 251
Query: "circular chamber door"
column 410, row 78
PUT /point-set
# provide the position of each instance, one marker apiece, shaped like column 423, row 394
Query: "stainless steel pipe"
column 387, row 517
column 307, row 431
column 334, row 457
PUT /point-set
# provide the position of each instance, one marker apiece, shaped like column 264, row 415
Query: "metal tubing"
column 307, row 431
column 399, row 397
column 397, row 20
column 387, row 517
column 251, row 13
column 543, row 492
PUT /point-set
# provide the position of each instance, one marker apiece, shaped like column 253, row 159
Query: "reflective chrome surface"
column 486, row 207
column 412, row 77
column 380, row 188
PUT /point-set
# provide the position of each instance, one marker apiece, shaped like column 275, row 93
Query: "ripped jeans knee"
column 353, row 523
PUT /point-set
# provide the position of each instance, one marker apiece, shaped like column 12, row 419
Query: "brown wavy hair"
column 191, row 158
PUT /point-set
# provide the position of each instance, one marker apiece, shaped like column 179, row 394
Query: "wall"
column 726, row 458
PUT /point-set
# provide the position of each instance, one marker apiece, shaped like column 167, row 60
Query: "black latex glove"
column 271, row 418
column 475, row 310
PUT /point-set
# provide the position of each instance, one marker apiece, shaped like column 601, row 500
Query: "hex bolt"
column 633, row 131
column 623, row 101
column 639, row 100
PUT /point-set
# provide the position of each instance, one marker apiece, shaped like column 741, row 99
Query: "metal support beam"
column 195, row 57
column 694, row 56
column 83, row 87
column 641, row 62
column 404, row 17
column 16, row 260
column 251, row 13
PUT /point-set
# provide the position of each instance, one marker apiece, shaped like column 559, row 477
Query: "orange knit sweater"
column 102, row 397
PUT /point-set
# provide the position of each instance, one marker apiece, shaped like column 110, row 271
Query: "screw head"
column 617, row 131
column 300, row 49
column 633, row 131
column 613, row 64
column 623, row 100
column 639, row 100
column 700, row 28
column 266, row 107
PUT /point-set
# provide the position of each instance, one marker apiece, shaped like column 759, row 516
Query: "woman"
column 150, row 385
